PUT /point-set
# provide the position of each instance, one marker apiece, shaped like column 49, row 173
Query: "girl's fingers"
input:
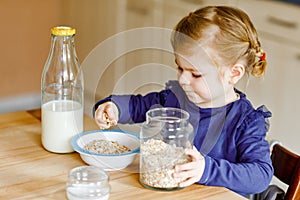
column 110, row 116
column 109, row 120
column 186, row 174
column 192, row 171
column 194, row 154
column 101, row 122
column 189, row 176
column 196, row 158
column 186, row 166
column 106, row 115
column 99, row 115
column 101, row 118
column 188, row 182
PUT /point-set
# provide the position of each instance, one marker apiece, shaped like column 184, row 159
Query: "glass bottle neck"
column 62, row 77
column 63, row 47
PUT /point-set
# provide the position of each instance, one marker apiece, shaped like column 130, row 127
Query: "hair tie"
column 263, row 57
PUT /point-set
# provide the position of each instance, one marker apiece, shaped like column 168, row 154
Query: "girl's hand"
column 107, row 115
column 191, row 172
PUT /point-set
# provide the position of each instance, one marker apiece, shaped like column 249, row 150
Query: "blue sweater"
column 231, row 138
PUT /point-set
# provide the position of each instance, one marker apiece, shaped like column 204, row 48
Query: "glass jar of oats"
column 164, row 137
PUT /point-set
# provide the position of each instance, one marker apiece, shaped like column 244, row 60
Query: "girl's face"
column 202, row 81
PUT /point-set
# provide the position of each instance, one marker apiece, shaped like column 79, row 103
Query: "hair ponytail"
column 260, row 66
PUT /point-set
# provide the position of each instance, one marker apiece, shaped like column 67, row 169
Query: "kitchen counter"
column 28, row 171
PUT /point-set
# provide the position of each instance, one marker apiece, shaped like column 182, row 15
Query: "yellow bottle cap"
column 63, row 31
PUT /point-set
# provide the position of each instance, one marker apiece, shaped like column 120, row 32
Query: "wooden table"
column 28, row 171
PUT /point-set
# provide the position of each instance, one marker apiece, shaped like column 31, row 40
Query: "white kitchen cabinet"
column 152, row 13
column 136, row 75
column 279, row 91
column 174, row 10
column 279, row 30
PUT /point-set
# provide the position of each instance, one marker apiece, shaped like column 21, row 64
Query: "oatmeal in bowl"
column 109, row 149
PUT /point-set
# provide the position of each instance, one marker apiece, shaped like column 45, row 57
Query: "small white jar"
column 88, row 183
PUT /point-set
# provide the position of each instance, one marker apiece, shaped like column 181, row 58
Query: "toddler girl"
column 213, row 47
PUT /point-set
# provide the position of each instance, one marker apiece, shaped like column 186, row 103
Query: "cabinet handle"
column 282, row 22
column 138, row 10
column 195, row 2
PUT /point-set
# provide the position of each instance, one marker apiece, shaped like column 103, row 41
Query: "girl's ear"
column 237, row 71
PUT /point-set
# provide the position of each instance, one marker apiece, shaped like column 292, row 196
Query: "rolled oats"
column 105, row 147
column 158, row 163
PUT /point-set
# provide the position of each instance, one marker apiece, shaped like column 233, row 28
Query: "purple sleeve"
column 133, row 108
column 252, row 173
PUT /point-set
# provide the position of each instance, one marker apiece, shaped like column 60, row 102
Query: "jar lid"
column 91, row 175
column 63, row 31
column 88, row 182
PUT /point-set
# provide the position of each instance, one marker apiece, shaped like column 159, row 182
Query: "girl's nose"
column 183, row 78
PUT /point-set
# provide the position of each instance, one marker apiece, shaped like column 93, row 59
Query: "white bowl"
column 108, row 162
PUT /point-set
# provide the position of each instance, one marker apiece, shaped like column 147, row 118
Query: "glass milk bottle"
column 62, row 93
column 164, row 137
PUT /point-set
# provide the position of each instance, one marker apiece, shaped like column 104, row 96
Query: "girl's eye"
column 197, row 75
column 180, row 69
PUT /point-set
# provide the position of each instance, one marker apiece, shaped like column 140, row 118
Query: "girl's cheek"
column 197, row 86
column 200, row 89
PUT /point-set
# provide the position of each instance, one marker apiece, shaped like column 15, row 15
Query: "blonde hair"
column 231, row 33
